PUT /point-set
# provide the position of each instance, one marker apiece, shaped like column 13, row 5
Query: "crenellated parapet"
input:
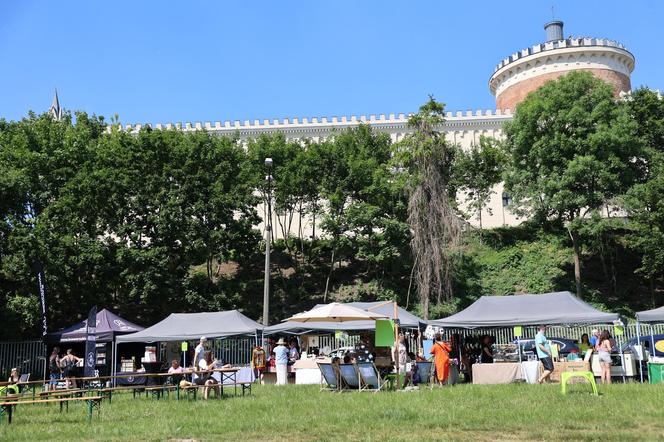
column 571, row 42
column 324, row 126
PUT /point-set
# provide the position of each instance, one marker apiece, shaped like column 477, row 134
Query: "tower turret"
column 528, row 69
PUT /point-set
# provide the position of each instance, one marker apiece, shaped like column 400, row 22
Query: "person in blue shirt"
column 594, row 338
column 544, row 354
column 281, row 361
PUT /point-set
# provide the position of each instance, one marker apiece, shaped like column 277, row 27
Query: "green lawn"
column 302, row 413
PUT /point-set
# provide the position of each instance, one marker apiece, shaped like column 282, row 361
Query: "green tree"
column 426, row 158
column 645, row 200
column 571, row 146
column 477, row 171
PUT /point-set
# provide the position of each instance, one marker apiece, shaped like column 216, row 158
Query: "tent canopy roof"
column 506, row 311
column 109, row 325
column 406, row 319
column 651, row 316
column 189, row 326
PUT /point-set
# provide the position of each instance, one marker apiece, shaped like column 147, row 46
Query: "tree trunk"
column 577, row 262
column 329, row 275
column 410, row 285
column 425, row 307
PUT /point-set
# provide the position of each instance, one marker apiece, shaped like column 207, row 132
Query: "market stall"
column 109, row 327
column 655, row 364
column 560, row 308
column 191, row 326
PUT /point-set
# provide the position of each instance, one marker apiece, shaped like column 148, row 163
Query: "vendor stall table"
column 307, row 372
column 269, row 376
column 562, row 366
column 497, row 373
column 531, row 371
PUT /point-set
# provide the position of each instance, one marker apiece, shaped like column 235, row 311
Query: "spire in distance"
column 55, row 111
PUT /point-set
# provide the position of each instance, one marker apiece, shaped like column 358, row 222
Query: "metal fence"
column 27, row 356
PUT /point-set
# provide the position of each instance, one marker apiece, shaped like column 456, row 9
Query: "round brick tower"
column 528, row 69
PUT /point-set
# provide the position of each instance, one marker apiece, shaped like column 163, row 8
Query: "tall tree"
column 435, row 227
column 645, row 200
column 571, row 146
column 477, row 171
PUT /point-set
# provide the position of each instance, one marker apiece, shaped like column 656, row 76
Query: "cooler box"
column 656, row 373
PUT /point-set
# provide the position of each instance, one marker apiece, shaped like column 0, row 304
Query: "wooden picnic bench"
column 7, row 406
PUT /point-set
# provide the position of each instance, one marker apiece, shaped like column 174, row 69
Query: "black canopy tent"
column 109, row 325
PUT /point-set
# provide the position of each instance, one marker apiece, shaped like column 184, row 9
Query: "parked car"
column 565, row 346
column 341, row 352
column 646, row 341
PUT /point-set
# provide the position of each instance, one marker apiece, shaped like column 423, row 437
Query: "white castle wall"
column 461, row 128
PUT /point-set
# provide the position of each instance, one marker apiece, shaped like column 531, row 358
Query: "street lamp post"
column 268, row 239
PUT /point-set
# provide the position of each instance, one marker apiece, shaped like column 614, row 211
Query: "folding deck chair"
column 369, row 377
column 350, row 376
column 425, row 369
column 330, row 376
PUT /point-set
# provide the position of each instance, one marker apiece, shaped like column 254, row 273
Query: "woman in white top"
column 604, row 348
column 207, row 365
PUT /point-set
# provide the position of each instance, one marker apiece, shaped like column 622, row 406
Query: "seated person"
column 207, row 365
column 13, row 387
column 413, row 375
column 176, row 372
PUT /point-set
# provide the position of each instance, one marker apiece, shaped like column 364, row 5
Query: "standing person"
column 400, row 353
column 281, row 361
column 68, row 365
column 55, row 372
column 594, row 338
column 544, row 354
column 604, row 347
column 199, row 352
column 293, row 353
column 441, row 357
column 486, row 357
column 584, row 344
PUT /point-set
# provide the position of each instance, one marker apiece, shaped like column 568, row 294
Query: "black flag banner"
column 41, row 283
column 91, row 344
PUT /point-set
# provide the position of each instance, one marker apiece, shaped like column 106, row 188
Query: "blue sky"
column 166, row 61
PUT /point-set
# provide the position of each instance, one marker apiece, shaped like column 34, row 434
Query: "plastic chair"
column 588, row 375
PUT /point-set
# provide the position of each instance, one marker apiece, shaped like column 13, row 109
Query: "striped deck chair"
column 350, row 376
column 330, row 376
column 370, row 377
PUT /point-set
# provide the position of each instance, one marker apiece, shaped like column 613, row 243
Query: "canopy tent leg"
column 638, row 341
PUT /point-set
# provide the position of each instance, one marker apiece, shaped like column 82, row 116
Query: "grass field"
column 302, row 413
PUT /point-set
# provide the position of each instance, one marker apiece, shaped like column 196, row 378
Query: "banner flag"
column 91, row 343
column 41, row 284
column 384, row 333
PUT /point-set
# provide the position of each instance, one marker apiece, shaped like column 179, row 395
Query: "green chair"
column 588, row 375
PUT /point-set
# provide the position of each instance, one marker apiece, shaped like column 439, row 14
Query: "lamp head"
column 268, row 162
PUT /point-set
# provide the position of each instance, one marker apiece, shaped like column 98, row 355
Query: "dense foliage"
column 162, row 221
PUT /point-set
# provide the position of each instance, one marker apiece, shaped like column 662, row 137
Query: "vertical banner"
column 41, row 284
column 384, row 333
column 91, row 343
